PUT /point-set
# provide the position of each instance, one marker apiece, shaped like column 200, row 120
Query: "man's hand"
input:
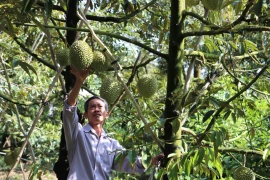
column 157, row 158
column 80, row 75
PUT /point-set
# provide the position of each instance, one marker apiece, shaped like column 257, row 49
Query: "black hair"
column 95, row 97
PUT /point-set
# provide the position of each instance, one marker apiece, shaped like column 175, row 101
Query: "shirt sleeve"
column 70, row 125
column 125, row 166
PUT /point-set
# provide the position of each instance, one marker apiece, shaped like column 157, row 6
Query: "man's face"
column 96, row 113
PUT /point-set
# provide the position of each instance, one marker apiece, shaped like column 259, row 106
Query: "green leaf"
column 9, row 25
column 63, row 4
column 227, row 114
column 15, row 62
column 252, row 132
column 184, row 99
column 219, row 167
column 242, row 48
column 233, row 45
column 214, row 101
column 213, row 174
column 257, row 8
column 250, row 45
column 234, row 117
column 172, row 155
column 226, row 3
column 210, row 155
column 215, row 139
column 39, row 24
column 173, row 174
column 188, row 167
column 146, row 159
column 33, row 172
column 193, row 108
column 161, row 122
column 132, row 155
column 48, row 8
column 120, row 157
column 208, row 115
column 205, row 170
column 266, row 153
column 201, row 154
column 26, row 67
column 27, row 4
column 160, row 173
column 148, row 125
column 238, row 5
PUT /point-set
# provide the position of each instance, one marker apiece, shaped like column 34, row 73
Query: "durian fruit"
column 100, row 62
column 110, row 89
column 212, row 4
column 243, row 173
column 191, row 3
column 62, row 57
column 16, row 152
column 81, row 55
column 10, row 158
column 147, row 85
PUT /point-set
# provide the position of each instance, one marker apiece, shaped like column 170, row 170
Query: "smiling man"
column 91, row 152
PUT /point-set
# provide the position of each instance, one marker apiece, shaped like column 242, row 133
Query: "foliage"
column 223, row 102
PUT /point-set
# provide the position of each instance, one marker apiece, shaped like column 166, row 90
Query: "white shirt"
column 90, row 157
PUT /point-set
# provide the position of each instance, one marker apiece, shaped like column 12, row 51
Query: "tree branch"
column 242, row 17
column 107, row 18
column 228, row 31
column 165, row 56
column 216, row 115
column 200, row 18
column 24, row 103
column 240, row 151
column 48, row 64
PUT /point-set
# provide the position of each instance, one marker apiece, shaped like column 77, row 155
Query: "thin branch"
column 240, row 30
column 81, row 22
column 117, row 36
column 192, row 62
column 49, row 39
column 239, row 151
column 46, row 63
column 107, row 18
column 134, row 70
column 140, row 65
column 231, row 74
column 217, row 113
column 119, row 19
column 239, row 20
column 201, row 18
column 242, row 17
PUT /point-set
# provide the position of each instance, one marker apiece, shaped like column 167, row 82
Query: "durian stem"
column 116, row 67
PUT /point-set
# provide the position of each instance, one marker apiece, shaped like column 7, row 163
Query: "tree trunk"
column 61, row 167
column 174, row 81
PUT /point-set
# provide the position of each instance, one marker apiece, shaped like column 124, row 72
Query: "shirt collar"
column 87, row 128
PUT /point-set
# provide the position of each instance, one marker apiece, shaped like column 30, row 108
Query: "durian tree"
column 205, row 105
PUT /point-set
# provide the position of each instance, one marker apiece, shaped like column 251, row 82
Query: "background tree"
column 211, row 60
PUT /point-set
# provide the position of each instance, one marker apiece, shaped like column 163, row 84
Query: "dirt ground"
column 20, row 176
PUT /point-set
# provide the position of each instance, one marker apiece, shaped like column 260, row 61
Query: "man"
column 91, row 152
